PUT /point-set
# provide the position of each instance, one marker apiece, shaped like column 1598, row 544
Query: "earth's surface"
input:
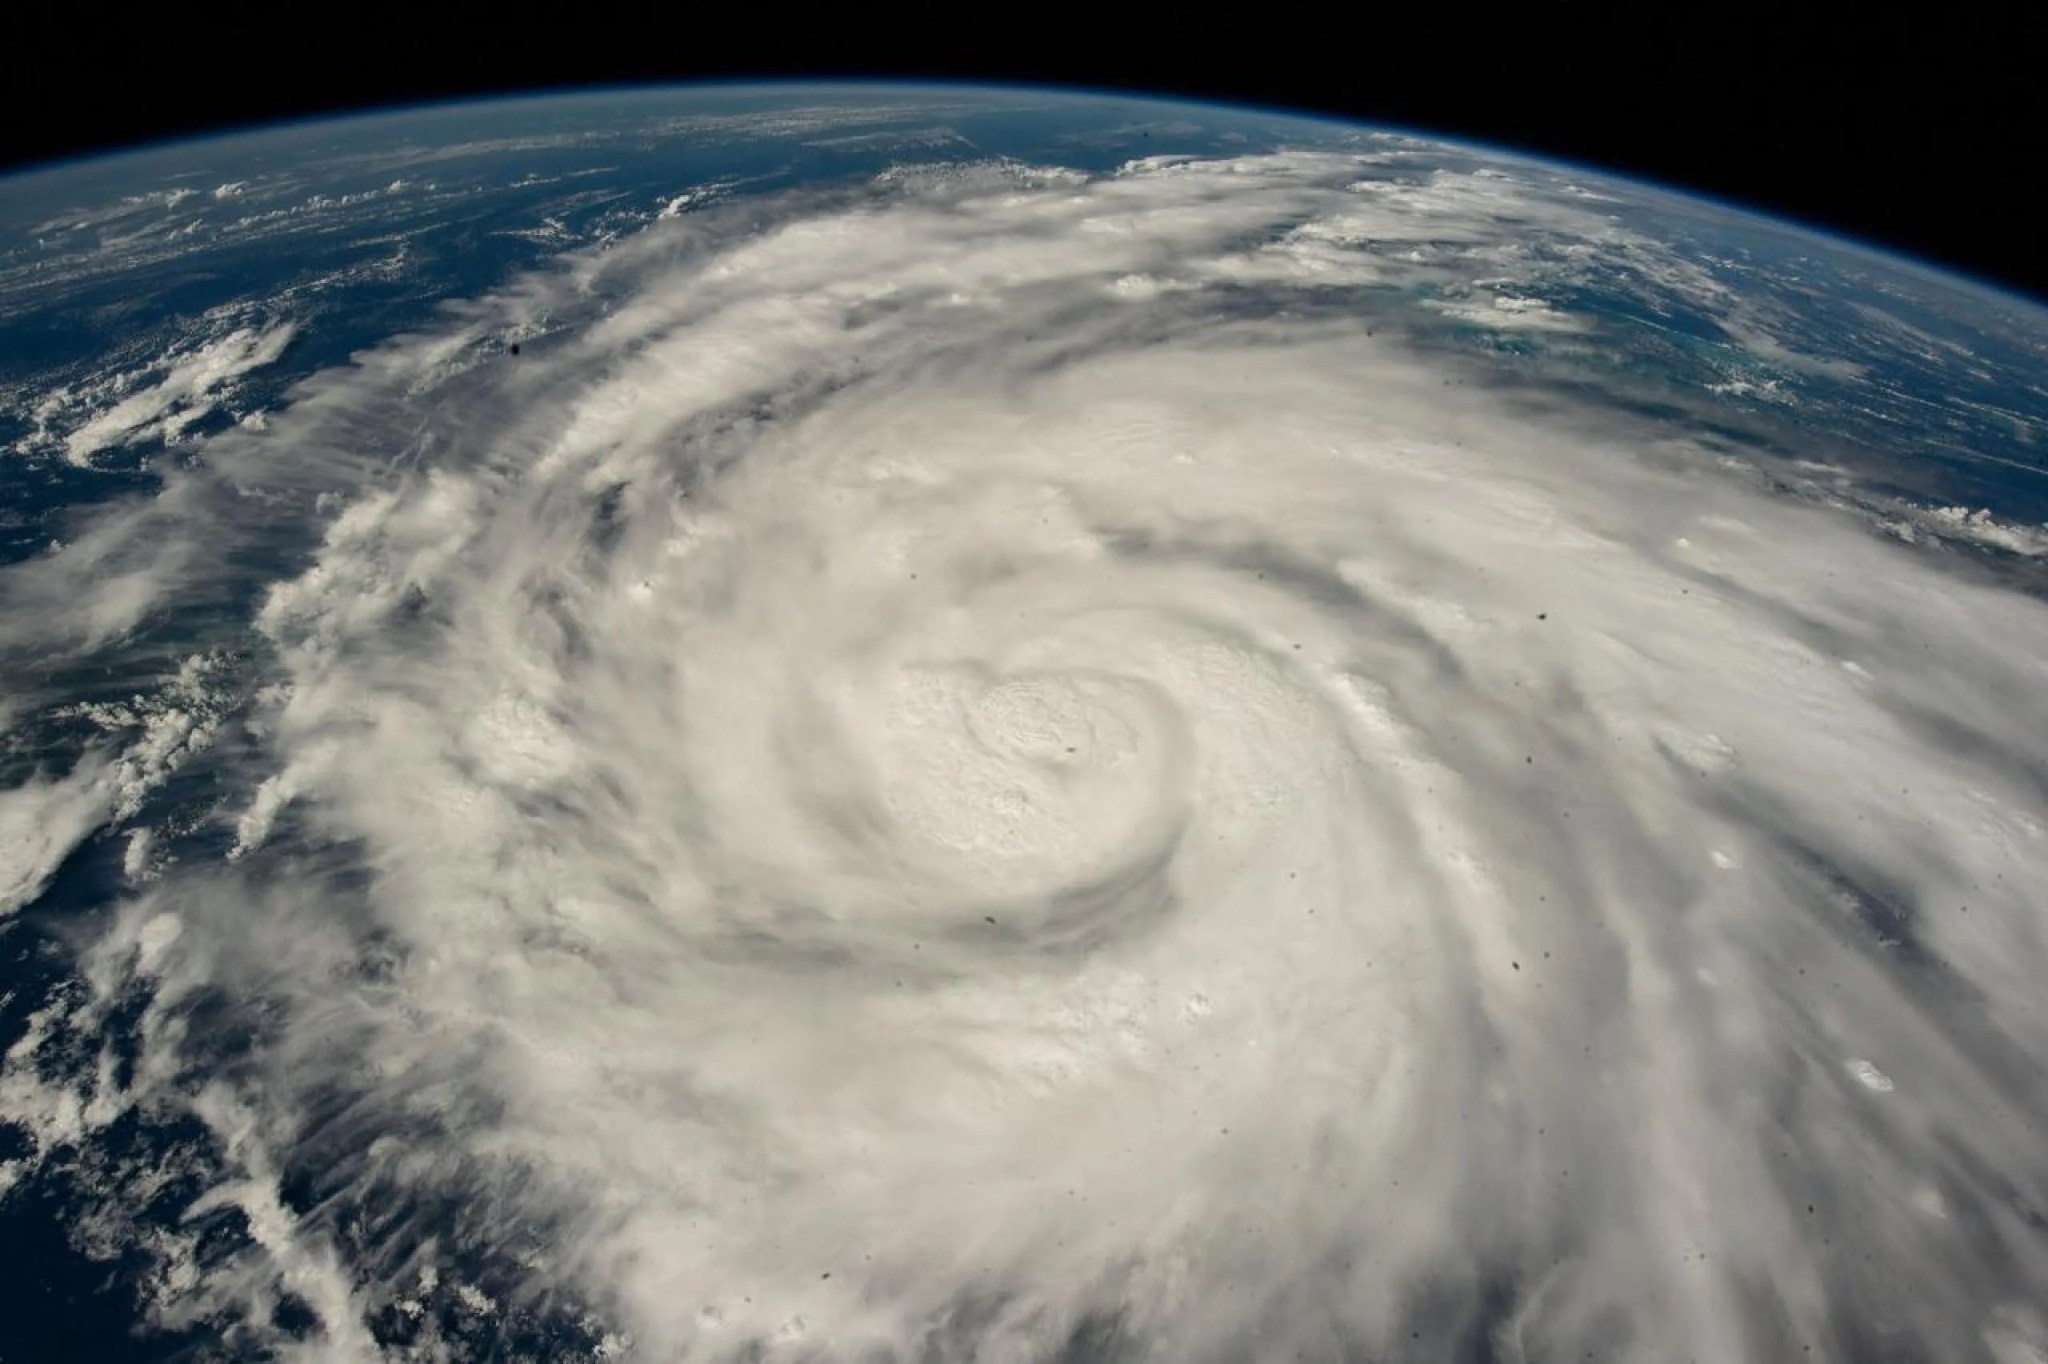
column 917, row 724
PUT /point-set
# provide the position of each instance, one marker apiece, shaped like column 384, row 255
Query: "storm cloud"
column 994, row 767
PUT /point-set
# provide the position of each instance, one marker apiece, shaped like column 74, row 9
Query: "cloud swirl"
column 992, row 768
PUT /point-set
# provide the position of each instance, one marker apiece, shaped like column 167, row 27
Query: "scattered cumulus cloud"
column 160, row 402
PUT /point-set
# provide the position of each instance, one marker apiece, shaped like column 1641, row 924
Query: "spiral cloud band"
column 997, row 767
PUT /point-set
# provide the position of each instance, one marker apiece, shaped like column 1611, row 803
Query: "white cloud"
column 1981, row 527
column 41, row 821
column 1507, row 312
column 160, row 402
column 168, row 726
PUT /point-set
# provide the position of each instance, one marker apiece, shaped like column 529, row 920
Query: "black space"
column 1919, row 126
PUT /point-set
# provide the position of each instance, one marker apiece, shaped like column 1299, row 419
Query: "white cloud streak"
column 161, row 402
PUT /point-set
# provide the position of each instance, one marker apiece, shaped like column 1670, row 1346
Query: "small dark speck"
column 514, row 348
column 988, row 918
column 1543, row 615
column 1517, row 966
column 826, row 1275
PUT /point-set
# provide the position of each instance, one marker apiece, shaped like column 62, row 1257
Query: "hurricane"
column 1000, row 765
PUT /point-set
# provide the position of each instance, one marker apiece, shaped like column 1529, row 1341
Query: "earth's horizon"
column 906, row 721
